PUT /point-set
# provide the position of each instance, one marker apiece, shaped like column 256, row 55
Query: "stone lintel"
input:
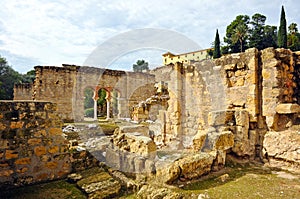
column 287, row 108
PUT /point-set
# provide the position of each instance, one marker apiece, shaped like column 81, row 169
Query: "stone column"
column 179, row 105
column 95, row 97
column 108, row 106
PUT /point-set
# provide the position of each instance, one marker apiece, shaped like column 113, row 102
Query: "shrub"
column 89, row 112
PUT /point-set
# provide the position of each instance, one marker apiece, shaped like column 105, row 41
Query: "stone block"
column 34, row 141
column 283, row 146
column 139, row 164
column 3, row 165
column 16, row 125
column 40, row 133
column 219, row 162
column 230, row 67
column 223, row 140
column 55, row 131
column 127, row 161
column 39, row 150
column 4, row 143
column 144, row 130
column 287, row 108
column 216, row 118
column 53, row 149
column 240, row 81
column 199, row 140
column 113, row 158
column 11, row 154
column 42, row 177
column 252, row 137
column 2, row 126
column 149, row 166
column 241, row 118
column 166, row 171
column 6, row 173
column 22, row 170
column 23, row 161
column 51, row 165
column 195, row 165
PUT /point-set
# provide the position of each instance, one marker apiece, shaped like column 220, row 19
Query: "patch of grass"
column 50, row 190
column 99, row 177
column 108, row 128
column 245, row 182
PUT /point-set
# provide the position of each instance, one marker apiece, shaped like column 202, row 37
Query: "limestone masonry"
column 202, row 111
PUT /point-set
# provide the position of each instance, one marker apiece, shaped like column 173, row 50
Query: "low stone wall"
column 32, row 147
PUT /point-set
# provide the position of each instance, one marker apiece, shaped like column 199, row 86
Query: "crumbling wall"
column 162, row 73
column 23, row 91
column 56, row 84
column 241, row 74
column 280, row 87
column 65, row 86
column 32, row 147
column 240, row 81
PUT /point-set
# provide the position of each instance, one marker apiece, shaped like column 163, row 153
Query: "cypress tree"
column 282, row 32
column 217, row 50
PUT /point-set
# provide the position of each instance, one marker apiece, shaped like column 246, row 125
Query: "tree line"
column 245, row 32
column 9, row 77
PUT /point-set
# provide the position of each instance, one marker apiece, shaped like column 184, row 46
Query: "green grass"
column 50, row 190
column 108, row 128
column 248, row 181
column 245, row 182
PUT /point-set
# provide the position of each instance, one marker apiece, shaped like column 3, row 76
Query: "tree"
column 28, row 77
column 270, row 36
column 256, row 33
column 240, row 35
column 140, row 66
column 8, row 77
column 293, row 28
column 234, row 40
column 217, row 50
column 293, row 41
column 282, row 32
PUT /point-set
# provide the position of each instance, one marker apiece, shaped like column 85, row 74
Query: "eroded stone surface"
column 283, row 148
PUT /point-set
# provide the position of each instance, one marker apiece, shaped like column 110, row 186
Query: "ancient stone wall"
column 162, row 73
column 247, row 93
column 65, row 86
column 32, row 147
column 56, row 84
column 280, row 84
column 240, row 81
column 23, row 91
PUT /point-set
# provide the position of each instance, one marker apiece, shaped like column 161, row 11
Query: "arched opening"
column 101, row 103
column 88, row 103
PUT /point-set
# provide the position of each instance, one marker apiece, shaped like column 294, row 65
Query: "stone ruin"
column 194, row 116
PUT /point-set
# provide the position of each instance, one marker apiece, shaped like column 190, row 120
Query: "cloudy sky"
column 53, row 32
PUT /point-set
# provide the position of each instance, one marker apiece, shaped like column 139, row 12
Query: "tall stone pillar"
column 178, row 108
column 123, row 108
column 95, row 98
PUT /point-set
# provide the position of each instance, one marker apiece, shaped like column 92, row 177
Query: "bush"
column 89, row 112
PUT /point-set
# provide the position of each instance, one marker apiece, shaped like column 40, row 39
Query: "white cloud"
column 54, row 32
